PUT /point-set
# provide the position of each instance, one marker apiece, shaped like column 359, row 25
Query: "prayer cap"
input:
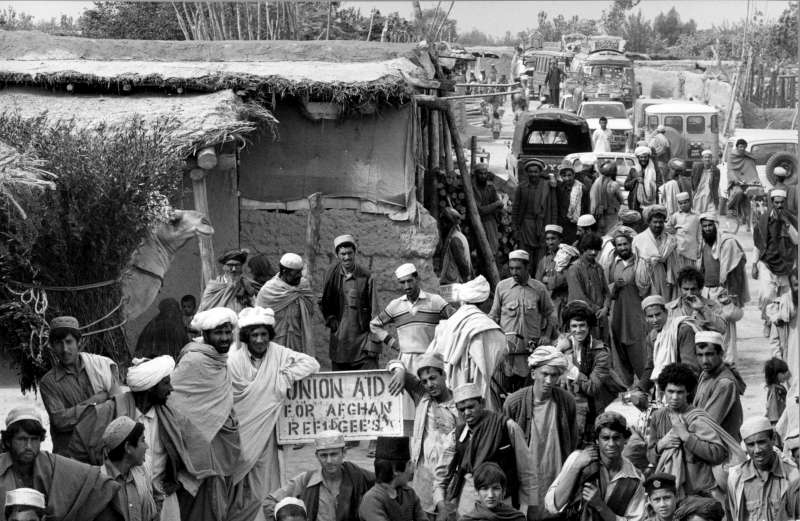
column 659, row 480
column 554, row 228
column 654, row 209
column 256, row 316
column 708, row 508
column 404, row 270
column 466, row 392
column 707, row 152
column 777, row 192
column 65, row 323
column 641, row 151
column 753, row 425
column 145, row 374
column 292, row 261
column 289, row 501
column 452, row 214
column 661, row 129
column 708, row 337
column 586, row 220
column 629, row 216
column 235, row 255
column 519, row 255
column 709, row 216
column 342, row 240
column 434, row 360
column 474, row 291
column 331, row 439
column 23, row 412
column 676, row 164
column 213, row 318
column 25, row 497
column 393, row 448
column 547, row 355
column 653, row 300
column 684, row 196
column 779, row 171
column 531, row 163
column 117, row 431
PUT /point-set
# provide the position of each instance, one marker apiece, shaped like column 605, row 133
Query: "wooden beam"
column 198, row 176
column 315, row 208
column 207, row 158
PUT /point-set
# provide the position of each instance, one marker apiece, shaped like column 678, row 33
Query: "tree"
column 638, row 33
column 613, row 19
column 14, row 21
column 131, row 20
column 670, row 28
column 784, row 36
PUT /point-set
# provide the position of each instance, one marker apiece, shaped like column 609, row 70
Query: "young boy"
column 391, row 497
column 291, row 509
column 685, row 225
column 490, row 483
column 662, row 497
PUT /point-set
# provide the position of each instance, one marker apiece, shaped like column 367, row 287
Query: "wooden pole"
column 198, row 176
column 312, row 232
column 473, row 151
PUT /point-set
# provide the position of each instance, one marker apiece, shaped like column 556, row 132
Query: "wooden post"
column 448, row 138
column 473, row 151
column 312, row 232
column 198, row 176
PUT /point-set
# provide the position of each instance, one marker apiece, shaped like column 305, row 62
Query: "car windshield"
column 547, row 137
column 605, row 72
column 609, row 110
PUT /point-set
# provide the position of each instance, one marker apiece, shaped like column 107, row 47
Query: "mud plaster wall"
column 658, row 83
column 383, row 245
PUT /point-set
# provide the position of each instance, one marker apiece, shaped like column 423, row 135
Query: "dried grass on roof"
column 21, row 173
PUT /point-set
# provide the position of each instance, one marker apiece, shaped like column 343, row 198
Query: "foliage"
column 783, row 38
column 638, row 33
column 670, row 28
column 12, row 20
column 613, row 19
column 136, row 21
column 112, row 186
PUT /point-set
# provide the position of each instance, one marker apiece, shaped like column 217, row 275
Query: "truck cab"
column 690, row 128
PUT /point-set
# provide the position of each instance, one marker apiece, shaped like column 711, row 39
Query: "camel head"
column 181, row 226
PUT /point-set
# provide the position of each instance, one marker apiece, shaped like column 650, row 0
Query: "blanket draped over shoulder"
column 101, row 371
column 277, row 294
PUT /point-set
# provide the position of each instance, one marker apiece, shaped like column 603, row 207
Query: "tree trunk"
column 419, row 29
column 371, row 19
column 186, row 34
column 238, row 22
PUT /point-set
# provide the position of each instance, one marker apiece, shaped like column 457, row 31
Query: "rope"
column 106, row 329
column 94, row 285
column 90, row 324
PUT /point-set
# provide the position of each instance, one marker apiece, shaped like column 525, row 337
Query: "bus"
column 537, row 62
column 606, row 75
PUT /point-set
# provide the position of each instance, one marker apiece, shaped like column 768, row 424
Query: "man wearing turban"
column 232, row 289
column 643, row 180
column 546, row 414
column 655, row 252
column 700, row 508
column 705, row 184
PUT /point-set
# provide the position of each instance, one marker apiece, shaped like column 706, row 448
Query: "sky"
column 495, row 17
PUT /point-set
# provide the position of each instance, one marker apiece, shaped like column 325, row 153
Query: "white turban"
column 641, row 151
column 145, row 374
column 548, row 355
column 213, row 318
column 256, row 316
column 777, row 192
column 474, row 291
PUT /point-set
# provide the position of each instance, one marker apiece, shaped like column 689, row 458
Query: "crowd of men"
column 596, row 381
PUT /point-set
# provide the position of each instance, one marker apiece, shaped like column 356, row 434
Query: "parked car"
column 638, row 118
column 618, row 122
column 762, row 144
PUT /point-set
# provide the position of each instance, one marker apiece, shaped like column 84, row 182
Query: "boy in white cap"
column 291, row 509
column 125, row 448
column 684, row 224
column 330, row 493
column 349, row 301
column 720, row 386
column 705, row 184
column 289, row 295
column 757, row 487
column 25, row 504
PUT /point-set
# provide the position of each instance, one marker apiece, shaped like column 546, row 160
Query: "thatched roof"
column 343, row 71
column 202, row 119
column 20, row 172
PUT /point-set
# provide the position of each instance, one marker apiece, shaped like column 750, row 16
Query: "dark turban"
column 705, row 507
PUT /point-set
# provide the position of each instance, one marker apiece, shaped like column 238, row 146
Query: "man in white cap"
column 523, row 308
column 546, row 413
column 586, row 224
column 720, row 386
column 74, row 490
column 261, row 373
column 232, row 289
column 757, row 487
column 349, row 301
column 289, row 295
column 25, row 504
column 684, row 224
column 643, row 180
column 76, row 381
column 433, row 439
column 534, row 205
column 331, row 493
column 456, row 261
column 291, row 509
column 655, row 252
column 484, row 436
column 125, row 448
column 722, row 263
column 781, row 174
column 705, row 184
column 547, row 274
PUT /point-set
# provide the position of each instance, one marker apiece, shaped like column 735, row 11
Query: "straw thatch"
column 20, row 172
column 202, row 119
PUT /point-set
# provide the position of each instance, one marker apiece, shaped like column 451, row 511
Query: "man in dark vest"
column 331, row 493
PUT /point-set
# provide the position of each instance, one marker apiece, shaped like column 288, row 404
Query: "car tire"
column 781, row 159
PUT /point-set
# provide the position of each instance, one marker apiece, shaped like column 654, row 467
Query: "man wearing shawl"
column 628, row 223
column 741, row 173
column 485, row 436
column 288, row 294
column 587, row 282
column 699, row 508
column 684, row 225
column 349, row 301
column 643, row 181
column 77, row 380
column 757, row 487
column 661, row 145
column 722, row 262
column 683, row 440
column 74, row 491
column 606, row 197
column 534, row 205
column 598, row 482
column 782, row 315
column 433, row 440
column 720, row 386
column 655, row 255
column 456, row 261
column 231, row 289
column 471, row 344
column 546, row 414
column 489, row 204
column 569, row 193
column 554, row 279
column 627, row 319
column 705, row 184
column 261, row 373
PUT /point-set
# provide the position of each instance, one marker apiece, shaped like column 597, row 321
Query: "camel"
column 143, row 277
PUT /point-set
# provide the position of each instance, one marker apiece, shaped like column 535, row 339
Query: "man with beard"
column 720, row 386
column 782, row 314
column 705, row 313
column 628, row 224
column 349, row 301
column 231, row 289
column 722, row 262
column 433, row 441
column 456, row 261
column 662, row 498
column 489, row 204
column 587, row 282
column 655, row 253
column 684, row 224
column 775, row 249
column 643, row 181
column 741, row 173
column 289, row 295
column 790, row 187
column 627, row 318
column 547, row 274
column 606, row 197
column 569, row 193
column 705, row 184
column 546, row 413
column 598, row 481
column 534, row 206
column 757, row 488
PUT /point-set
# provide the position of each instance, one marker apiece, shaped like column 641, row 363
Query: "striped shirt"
column 415, row 322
